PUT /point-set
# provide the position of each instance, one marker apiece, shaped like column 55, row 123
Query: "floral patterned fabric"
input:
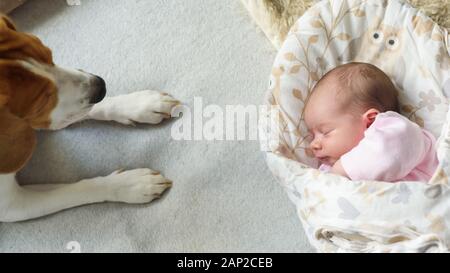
column 343, row 215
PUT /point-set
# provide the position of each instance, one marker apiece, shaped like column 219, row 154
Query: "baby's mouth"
column 323, row 159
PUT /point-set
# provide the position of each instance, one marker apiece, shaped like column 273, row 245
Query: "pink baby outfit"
column 393, row 149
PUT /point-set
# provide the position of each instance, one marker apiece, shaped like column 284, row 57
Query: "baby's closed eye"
column 325, row 130
column 321, row 133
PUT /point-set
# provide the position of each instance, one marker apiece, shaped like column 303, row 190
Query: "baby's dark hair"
column 362, row 86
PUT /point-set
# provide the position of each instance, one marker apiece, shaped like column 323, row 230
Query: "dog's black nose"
column 99, row 90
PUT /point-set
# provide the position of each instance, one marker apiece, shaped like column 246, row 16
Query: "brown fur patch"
column 27, row 95
column 15, row 45
column 26, row 99
column 17, row 142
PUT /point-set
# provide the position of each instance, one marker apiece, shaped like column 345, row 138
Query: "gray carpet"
column 224, row 199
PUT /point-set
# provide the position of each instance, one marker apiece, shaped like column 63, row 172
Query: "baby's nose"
column 315, row 145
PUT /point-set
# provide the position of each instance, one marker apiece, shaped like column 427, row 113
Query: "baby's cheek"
column 343, row 144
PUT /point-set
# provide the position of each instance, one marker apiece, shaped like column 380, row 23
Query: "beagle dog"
column 36, row 94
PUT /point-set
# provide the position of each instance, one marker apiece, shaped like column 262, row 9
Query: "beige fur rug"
column 275, row 17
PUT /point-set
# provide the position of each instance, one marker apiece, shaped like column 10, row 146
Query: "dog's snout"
column 99, row 91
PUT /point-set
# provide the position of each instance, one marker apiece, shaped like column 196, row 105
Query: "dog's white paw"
column 136, row 186
column 144, row 107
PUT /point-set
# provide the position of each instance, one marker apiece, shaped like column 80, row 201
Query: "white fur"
column 143, row 106
column 23, row 203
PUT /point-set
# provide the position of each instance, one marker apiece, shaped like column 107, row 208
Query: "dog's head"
column 36, row 94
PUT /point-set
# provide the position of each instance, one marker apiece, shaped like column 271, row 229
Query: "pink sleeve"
column 391, row 148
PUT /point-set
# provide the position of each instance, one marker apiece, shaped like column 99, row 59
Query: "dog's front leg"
column 19, row 203
column 142, row 107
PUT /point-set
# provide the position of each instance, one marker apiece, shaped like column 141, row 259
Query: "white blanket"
column 364, row 216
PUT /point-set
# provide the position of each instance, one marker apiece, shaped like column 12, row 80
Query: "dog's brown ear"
column 17, row 142
column 16, row 45
column 27, row 95
column 5, row 22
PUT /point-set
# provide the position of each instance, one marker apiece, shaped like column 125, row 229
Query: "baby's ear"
column 17, row 142
column 369, row 116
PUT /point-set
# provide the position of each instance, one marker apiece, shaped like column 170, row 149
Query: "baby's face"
column 334, row 132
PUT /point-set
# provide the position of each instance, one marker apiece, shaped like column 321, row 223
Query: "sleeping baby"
column 357, row 132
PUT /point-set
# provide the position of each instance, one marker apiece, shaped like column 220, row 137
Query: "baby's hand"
column 338, row 169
